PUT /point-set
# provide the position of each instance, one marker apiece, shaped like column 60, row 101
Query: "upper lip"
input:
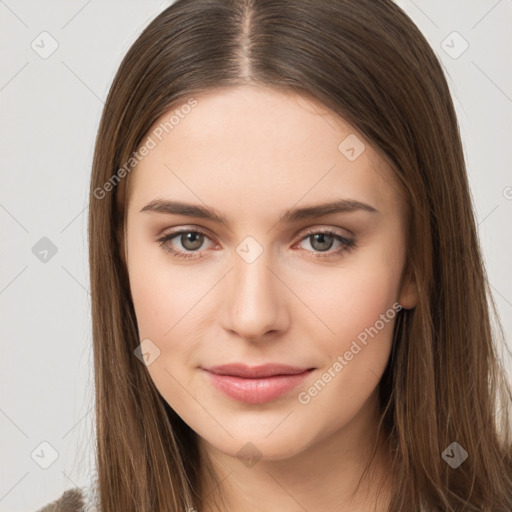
column 254, row 372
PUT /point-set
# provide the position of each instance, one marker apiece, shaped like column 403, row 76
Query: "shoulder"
column 76, row 499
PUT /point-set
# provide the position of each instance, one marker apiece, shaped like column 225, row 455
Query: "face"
column 265, row 280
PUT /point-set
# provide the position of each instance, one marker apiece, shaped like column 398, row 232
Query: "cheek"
column 362, row 298
column 355, row 357
column 360, row 306
column 161, row 292
column 362, row 317
column 353, row 297
column 167, row 305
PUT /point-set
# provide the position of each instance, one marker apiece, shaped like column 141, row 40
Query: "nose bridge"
column 254, row 301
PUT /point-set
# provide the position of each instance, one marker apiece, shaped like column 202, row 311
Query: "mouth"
column 257, row 384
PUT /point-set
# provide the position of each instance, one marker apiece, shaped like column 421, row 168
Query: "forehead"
column 262, row 145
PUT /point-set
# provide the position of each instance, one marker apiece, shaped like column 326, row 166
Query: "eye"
column 191, row 241
column 322, row 242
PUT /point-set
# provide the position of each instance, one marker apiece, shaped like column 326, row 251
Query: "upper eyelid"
column 175, row 232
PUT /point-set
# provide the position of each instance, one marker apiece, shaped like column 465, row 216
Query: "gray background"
column 50, row 110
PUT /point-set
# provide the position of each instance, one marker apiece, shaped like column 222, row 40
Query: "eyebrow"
column 292, row 215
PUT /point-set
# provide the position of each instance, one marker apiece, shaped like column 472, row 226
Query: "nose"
column 256, row 300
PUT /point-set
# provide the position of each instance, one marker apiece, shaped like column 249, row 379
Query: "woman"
column 290, row 309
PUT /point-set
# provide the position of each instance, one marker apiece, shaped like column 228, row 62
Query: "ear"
column 409, row 290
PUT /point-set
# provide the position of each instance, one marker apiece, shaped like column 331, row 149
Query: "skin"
column 251, row 153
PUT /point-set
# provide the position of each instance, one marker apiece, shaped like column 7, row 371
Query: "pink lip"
column 257, row 384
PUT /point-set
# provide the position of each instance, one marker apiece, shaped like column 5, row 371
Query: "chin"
column 261, row 444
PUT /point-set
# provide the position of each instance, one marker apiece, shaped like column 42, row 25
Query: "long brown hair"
column 367, row 62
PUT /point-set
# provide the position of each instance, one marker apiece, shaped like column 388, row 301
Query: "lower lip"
column 257, row 391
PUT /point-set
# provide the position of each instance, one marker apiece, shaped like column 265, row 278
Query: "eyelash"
column 347, row 243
